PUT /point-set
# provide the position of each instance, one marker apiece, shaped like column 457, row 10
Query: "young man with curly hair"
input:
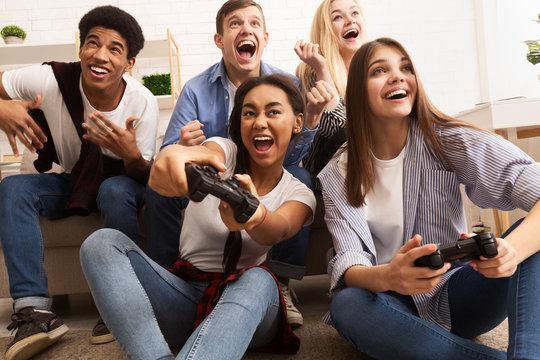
column 99, row 125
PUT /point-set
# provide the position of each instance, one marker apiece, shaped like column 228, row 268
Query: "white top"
column 204, row 234
column 384, row 205
column 231, row 89
column 26, row 83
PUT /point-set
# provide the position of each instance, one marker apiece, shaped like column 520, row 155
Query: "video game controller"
column 483, row 244
column 204, row 180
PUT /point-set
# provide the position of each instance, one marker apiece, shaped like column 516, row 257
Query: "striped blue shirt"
column 495, row 173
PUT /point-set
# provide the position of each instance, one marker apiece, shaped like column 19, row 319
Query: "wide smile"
column 396, row 95
column 262, row 143
column 98, row 72
column 351, row 35
column 246, row 49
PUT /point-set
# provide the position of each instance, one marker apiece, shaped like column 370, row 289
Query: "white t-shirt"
column 384, row 205
column 231, row 89
column 26, row 83
column 204, row 234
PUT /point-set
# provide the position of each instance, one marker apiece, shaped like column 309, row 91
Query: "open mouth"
column 351, row 34
column 98, row 71
column 263, row 143
column 396, row 94
column 246, row 49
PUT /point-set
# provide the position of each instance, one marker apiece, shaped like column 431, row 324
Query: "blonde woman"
column 336, row 33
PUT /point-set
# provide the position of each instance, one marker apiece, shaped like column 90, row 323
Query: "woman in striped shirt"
column 336, row 33
column 392, row 195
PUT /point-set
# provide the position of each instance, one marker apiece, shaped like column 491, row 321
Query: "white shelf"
column 38, row 53
column 510, row 113
column 165, row 102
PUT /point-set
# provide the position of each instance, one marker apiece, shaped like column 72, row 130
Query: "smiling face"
column 267, row 124
column 347, row 25
column 391, row 84
column 243, row 41
column 104, row 59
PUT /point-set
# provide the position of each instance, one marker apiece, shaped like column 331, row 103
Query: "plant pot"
column 13, row 40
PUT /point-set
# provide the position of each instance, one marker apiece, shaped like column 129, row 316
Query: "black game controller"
column 482, row 244
column 204, row 180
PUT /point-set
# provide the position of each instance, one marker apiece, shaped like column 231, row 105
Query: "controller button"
column 436, row 261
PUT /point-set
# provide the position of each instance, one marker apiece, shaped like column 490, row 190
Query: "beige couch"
column 63, row 238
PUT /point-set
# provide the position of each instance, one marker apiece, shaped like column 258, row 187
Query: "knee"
column 100, row 245
column 12, row 190
column 115, row 191
column 260, row 283
column 347, row 303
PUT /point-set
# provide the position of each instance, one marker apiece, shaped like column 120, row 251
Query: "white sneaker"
column 294, row 317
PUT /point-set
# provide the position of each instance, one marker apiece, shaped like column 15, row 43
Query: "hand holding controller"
column 204, row 180
column 483, row 244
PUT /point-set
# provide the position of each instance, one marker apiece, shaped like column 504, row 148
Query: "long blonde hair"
column 323, row 34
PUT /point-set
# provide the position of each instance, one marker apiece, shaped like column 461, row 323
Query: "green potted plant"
column 534, row 48
column 12, row 34
column 158, row 84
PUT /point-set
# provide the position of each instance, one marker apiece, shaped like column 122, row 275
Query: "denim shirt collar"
column 220, row 72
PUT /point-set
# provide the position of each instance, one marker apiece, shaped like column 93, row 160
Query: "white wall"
column 441, row 35
column 508, row 24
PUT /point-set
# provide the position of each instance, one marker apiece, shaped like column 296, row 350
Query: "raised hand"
column 318, row 99
column 103, row 132
column 18, row 124
column 309, row 53
column 192, row 134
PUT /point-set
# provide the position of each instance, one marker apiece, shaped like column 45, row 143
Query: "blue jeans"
column 149, row 309
column 385, row 324
column 163, row 220
column 23, row 199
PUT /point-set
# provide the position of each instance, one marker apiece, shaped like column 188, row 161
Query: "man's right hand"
column 407, row 279
column 17, row 123
column 192, row 134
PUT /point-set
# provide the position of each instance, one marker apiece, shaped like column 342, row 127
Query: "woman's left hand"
column 503, row 265
column 227, row 212
column 318, row 98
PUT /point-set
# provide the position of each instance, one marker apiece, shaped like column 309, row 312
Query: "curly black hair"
column 111, row 17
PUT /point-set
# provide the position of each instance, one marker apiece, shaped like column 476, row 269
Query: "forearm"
column 372, row 278
column 271, row 228
column 323, row 73
column 525, row 238
column 312, row 121
column 138, row 169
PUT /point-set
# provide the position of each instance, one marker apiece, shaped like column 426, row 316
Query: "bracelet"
column 263, row 217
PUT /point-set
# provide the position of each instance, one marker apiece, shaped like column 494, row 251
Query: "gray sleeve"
column 495, row 172
column 348, row 247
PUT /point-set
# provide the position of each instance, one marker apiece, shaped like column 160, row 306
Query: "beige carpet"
column 319, row 341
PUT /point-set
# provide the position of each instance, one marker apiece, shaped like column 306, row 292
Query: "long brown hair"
column 360, row 168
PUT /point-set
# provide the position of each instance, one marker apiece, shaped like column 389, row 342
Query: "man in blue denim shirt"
column 203, row 111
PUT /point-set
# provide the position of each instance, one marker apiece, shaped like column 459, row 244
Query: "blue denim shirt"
column 206, row 99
